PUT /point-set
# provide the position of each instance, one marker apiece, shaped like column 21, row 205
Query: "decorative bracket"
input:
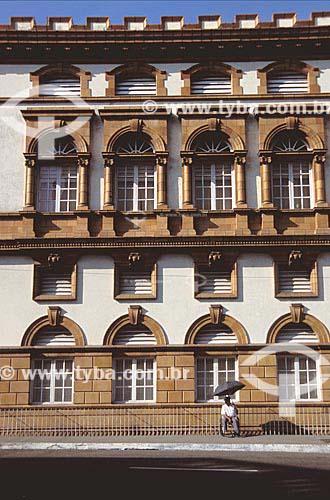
column 295, row 257
column 53, row 260
column 297, row 313
column 134, row 258
column 54, row 314
column 135, row 314
column 216, row 313
column 214, row 258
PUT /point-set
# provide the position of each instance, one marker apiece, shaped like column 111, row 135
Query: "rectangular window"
column 212, row 372
column 137, row 283
column 59, row 283
column 136, row 188
column 58, row 189
column 296, row 281
column 214, row 187
column 292, row 185
column 297, row 378
column 220, row 281
column 135, row 380
column 53, row 381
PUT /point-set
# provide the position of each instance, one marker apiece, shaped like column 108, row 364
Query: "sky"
column 153, row 10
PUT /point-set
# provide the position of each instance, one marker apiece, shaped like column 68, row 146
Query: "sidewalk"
column 278, row 444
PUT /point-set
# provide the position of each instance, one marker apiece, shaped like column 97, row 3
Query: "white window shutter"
column 296, row 281
column 135, row 283
column 61, row 87
column 137, row 86
column 131, row 335
column 211, row 85
column 297, row 333
column 216, row 334
column 218, row 282
column 287, row 83
column 53, row 336
column 55, row 284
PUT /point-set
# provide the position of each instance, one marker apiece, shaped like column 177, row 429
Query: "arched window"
column 136, row 79
column 135, row 173
column 57, row 178
column 287, row 82
column 292, row 171
column 213, row 175
column 61, row 80
column 297, row 374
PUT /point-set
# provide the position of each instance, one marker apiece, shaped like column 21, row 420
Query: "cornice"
column 173, row 242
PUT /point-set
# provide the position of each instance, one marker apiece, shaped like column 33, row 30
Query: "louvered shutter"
column 216, row 334
column 215, row 282
column 133, row 335
column 53, row 336
column 295, row 281
column 55, row 283
column 136, row 86
column 297, row 333
column 211, row 85
column 60, row 87
column 135, row 283
column 287, row 83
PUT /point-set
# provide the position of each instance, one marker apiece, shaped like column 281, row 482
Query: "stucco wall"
column 95, row 308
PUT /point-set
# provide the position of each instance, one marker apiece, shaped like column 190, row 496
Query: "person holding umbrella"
column 229, row 413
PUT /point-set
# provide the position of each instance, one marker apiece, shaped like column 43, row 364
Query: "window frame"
column 297, row 386
column 59, row 163
column 312, row 267
column 287, row 160
column 135, row 198
column 200, row 268
column 39, row 268
column 213, row 186
column 120, row 268
column 52, row 361
column 215, row 358
column 133, row 378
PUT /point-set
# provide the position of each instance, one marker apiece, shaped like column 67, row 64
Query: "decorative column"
column 319, row 181
column 187, row 162
column 267, row 211
column 29, row 184
column 266, row 180
column 83, row 165
column 109, row 166
column 161, row 165
column 240, row 162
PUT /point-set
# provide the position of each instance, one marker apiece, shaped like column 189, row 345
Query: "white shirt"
column 229, row 410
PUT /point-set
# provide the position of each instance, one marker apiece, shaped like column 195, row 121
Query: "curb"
column 259, row 448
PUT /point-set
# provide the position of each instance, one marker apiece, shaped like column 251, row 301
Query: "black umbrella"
column 228, row 388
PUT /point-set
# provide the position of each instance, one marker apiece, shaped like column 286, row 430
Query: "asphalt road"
column 101, row 475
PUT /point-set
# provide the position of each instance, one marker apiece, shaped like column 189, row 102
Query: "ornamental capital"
column 240, row 160
column 186, row 160
column 265, row 159
column 29, row 162
column 319, row 158
column 161, row 160
column 109, row 162
column 83, row 162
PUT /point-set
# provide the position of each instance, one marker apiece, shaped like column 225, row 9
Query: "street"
column 100, row 474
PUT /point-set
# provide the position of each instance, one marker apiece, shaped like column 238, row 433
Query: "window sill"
column 58, row 298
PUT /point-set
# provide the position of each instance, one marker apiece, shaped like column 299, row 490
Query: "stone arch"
column 311, row 136
column 226, row 320
column 135, row 69
column 63, row 321
column 61, row 69
column 212, row 68
column 315, row 324
column 79, row 141
column 288, row 65
column 234, row 138
column 155, row 139
column 146, row 321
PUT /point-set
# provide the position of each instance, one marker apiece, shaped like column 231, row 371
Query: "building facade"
column 164, row 203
